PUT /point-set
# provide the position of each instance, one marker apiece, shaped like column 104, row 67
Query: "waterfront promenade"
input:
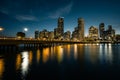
column 8, row 41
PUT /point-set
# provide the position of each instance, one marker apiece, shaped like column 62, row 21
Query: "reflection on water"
column 80, row 51
column 93, row 53
column 1, row 68
column 25, row 63
column 30, row 57
column 18, row 61
column 59, row 53
column 75, row 51
column 45, row 55
column 69, row 56
column 38, row 55
column 68, row 50
column 106, row 53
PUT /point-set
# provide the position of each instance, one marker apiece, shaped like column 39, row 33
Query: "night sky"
column 15, row 15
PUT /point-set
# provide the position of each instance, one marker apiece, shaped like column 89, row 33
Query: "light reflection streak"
column 68, row 51
column 101, row 52
column 45, row 55
column 75, row 51
column 80, row 51
column 25, row 63
column 109, row 56
column 52, row 52
column 59, row 53
column 38, row 55
column 2, row 65
column 106, row 53
column 30, row 57
column 93, row 53
column 18, row 61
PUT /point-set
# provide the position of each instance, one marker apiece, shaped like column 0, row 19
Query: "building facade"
column 67, row 35
column 78, row 33
column 43, row 35
column 93, row 33
column 108, row 34
column 51, row 35
column 59, row 31
column 20, row 35
column 80, row 28
column 101, row 30
column 36, row 34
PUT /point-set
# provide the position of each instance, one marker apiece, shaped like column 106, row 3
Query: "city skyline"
column 43, row 14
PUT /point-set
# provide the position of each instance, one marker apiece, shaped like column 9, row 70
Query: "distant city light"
column 1, row 29
column 25, row 29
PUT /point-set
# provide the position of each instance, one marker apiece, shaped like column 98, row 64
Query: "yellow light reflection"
column 59, row 53
column 1, row 68
column 38, row 55
column 45, row 55
column 52, row 52
column 80, row 51
column 68, row 50
column 30, row 57
column 109, row 55
column 93, row 53
column 18, row 61
column 25, row 63
column 97, row 44
column 75, row 51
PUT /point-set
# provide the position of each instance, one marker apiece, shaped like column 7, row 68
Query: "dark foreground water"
column 64, row 62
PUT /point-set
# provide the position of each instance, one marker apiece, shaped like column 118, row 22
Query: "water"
column 63, row 62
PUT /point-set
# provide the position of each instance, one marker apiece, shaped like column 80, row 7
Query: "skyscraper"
column 61, row 25
column 101, row 30
column 93, row 33
column 78, row 33
column 36, row 34
column 108, row 34
column 80, row 28
column 59, row 31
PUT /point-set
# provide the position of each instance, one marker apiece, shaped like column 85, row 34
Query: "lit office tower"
column 80, row 28
column 36, row 34
column 59, row 31
column 61, row 25
column 101, row 30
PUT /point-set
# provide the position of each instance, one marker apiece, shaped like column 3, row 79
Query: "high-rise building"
column 36, row 34
column 61, row 24
column 108, row 34
column 43, row 34
column 51, row 35
column 78, row 33
column 20, row 35
column 101, row 30
column 67, row 35
column 59, row 31
column 93, row 33
column 80, row 28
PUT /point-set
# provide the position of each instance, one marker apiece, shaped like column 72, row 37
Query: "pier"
column 36, row 42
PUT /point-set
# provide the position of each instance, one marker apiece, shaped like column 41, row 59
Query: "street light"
column 1, row 29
